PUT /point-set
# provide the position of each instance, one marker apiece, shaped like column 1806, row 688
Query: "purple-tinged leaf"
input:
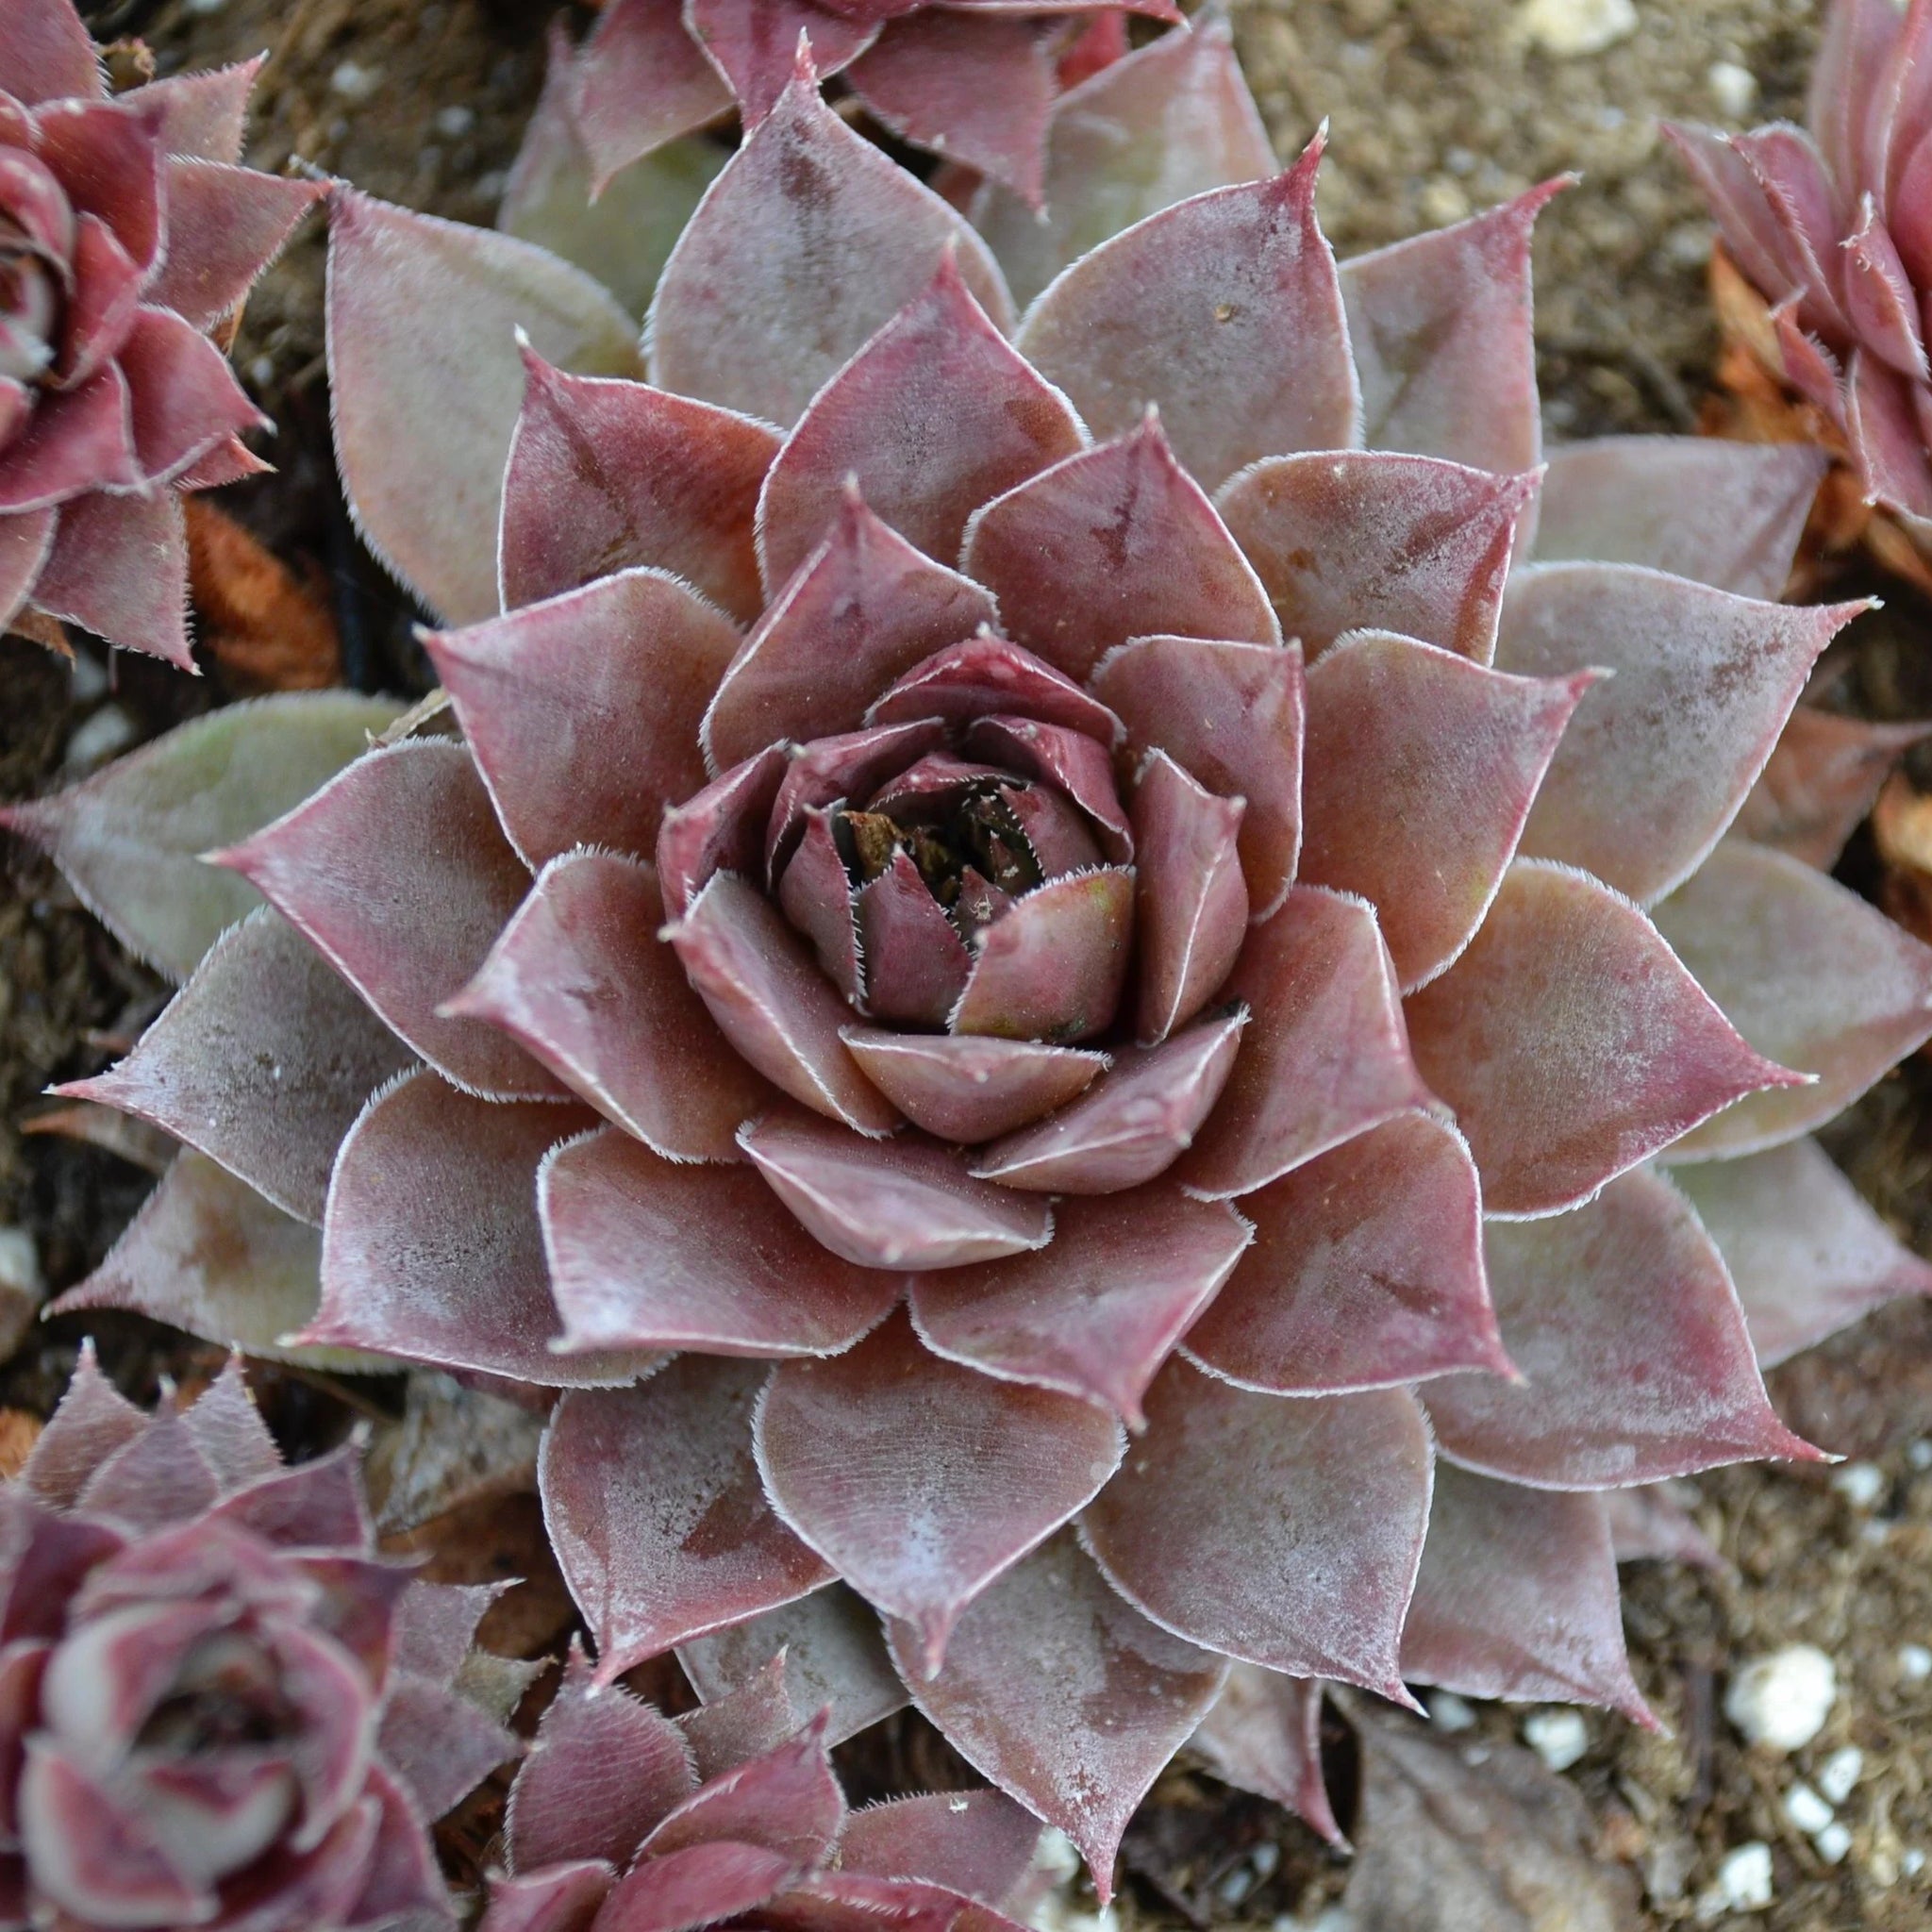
column 754, row 43
column 1134, row 1123
column 431, row 1249
column 1635, row 1360
column 719, row 830
column 1440, row 327
column 1223, row 311
column 898, row 1204
column 1304, row 1565
column 747, row 1720
column 978, row 1844
column 644, row 1254
column 1356, row 539
column 1822, row 777
column 1171, row 119
column 25, row 542
column 641, row 80
column 262, row 1061
column 70, row 444
column 919, row 1480
column 156, row 1481
column 1096, row 1313
column 1366, row 1272
column 772, row 1003
column 970, row 1088
column 786, row 1800
column 864, row 609
column 1115, row 542
column 48, row 53
column 816, row 896
column 1068, row 760
column 1880, row 303
column 1804, row 970
column 654, row 1509
column 439, row 1744
column 119, row 568
column 1051, row 967
column 225, row 224
column 203, row 116
column 1059, row 836
column 701, row 1885
column 1807, row 1255
column 807, row 243
column 1402, row 735
column 1573, row 1043
column 1064, row 1695
column 397, row 874
column 1517, row 1597
column 558, row 1898
column 985, row 677
column 423, row 416
column 916, row 964
column 1660, row 755
column 1888, row 447
column 106, row 157
column 186, row 398
column 1648, row 1525
column 1735, row 194
column 1264, row 1734
column 582, row 980
column 1192, row 909
column 605, row 475
column 851, row 765
column 940, row 362
column 1231, row 716
column 130, row 839
column 92, row 1420
column 1325, row 1054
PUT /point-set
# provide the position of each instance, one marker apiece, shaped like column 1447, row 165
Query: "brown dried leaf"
column 266, row 628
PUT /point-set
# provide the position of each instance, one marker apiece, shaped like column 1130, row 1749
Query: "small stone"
column 89, row 678
column 1568, row 28
column 1840, row 1772
column 1918, row 1453
column 1832, row 1843
column 98, row 738
column 206, row 6
column 1782, row 1700
column 1442, row 201
column 1449, row 1712
column 1745, row 1877
column 1911, row 1861
column 453, row 122
column 1806, row 1810
column 1733, row 88
column 1558, row 1736
column 1914, row 1662
column 354, row 81
column 1860, row 1484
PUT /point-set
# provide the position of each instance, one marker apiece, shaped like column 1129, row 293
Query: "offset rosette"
column 1051, row 966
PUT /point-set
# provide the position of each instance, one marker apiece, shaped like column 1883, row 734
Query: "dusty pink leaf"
column 754, row 43
column 984, row 676
column 1068, row 760
column 1366, row 1271
column 1117, row 541
column 92, row 1420
column 806, row 245
column 1231, row 716
column 439, row 1744
column 558, row 1898
column 940, row 362
column 853, row 764
column 816, row 896
column 1572, row 1042
column 786, row 1800
column 581, row 978
column 225, row 224
column 1306, row 1564
column 748, row 1719
column 423, row 416
column 970, row 1088
column 654, row 1509
column 1650, row 1524
column 1096, row 1313
column 1440, row 327
column 1807, row 1255
column 649, row 1255
column 156, row 1481
column 979, row 1843
column 1823, row 777
column 1888, row 447
column 203, row 116
column 48, row 53
column 1371, row 539
column 1051, row 967
column 186, row 398
column 863, row 609
column 1660, row 755
column 701, row 1885
column 856, row 1450
column 1635, row 1362
column 119, row 567
column 1401, row 735
column 25, row 540
column 1806, row 971
column 719, row 829
column 604, row 475
column 1101, row 1700
column 916, row 964
column 1325, row 1054
column 1263, row 1734
column 1225, row 313
column 107, row 157
column 641, row 80
column 1879, row 301
column 397, row 872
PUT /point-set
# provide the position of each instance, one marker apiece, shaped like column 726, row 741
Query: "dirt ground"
column 1436, row 107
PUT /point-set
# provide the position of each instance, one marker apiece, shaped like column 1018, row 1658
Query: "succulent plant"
column 127, row 235
column 1056, row 1023
column 620, row 1817
column 221, row 1706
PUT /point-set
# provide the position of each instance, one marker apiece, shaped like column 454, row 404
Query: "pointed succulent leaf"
column 971, row 1087
column 641, row 80
column 1307, row 1565
column 1066, row 759
column 1806, row 971
column 1064, row 1695
column 1400, row 734
column 978, row 1844
column 889, row 1434
column 654, row 1507
column 916, row 964
column 556, row 1898
column 225, row 224
column 754, row 43
column 786, row 1800
column 1192, row 911
column 119, row 567
column 1117, row 541
column 940, row 360
column 1051, row 968
column 1648, row 1525
column 985, row 676
column 1660, row 755
column 646, row 1254
column 1573, row 1043
column 1635, row 1362
column 49, row 53
column 203, row 116
column 92, row 1420
column 747, row 1720
column 701, row 1885
column 852, row 764
column 1366, row 1271
column 130, row 838
column 156, row 1481
column 1325, row 1054
column 1807, row 1255
column 606, row 476
column 1887, row 448
column 815, row 894
column 1263, row 1734
column 1096, row 1313
column 1821, row 781
column 1434, row 570
column 1517, row 1597
column 722, row 828
column 805, row 245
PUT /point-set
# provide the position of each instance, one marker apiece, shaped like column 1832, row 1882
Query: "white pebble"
column 1566, row 28
column 1840, row 1772
column 98, row 738
column 455, row 123
column 1833, row 1842
column 1733, row 88
column 1449, row 1712
column 353, row 82
column 89, row 678
column 20, row 1263
column 1745, row 1877
column 1860, row 1484
column 1782, row 1700
column 206, row 6
column 1918, row 1453
column 1558, row 1736
column 1806, row 1810
column 1911, row 1863
column 1914, row 1662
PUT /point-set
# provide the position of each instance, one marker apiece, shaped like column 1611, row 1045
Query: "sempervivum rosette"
column 1082, row 972
column 221, row 1708
column 126, row 234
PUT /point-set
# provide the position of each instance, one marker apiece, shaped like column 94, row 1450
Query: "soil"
column 1436, row 107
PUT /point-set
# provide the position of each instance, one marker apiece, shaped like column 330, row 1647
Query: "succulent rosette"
column 221, row 1708
column 1053, row 966
column 126, row 234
